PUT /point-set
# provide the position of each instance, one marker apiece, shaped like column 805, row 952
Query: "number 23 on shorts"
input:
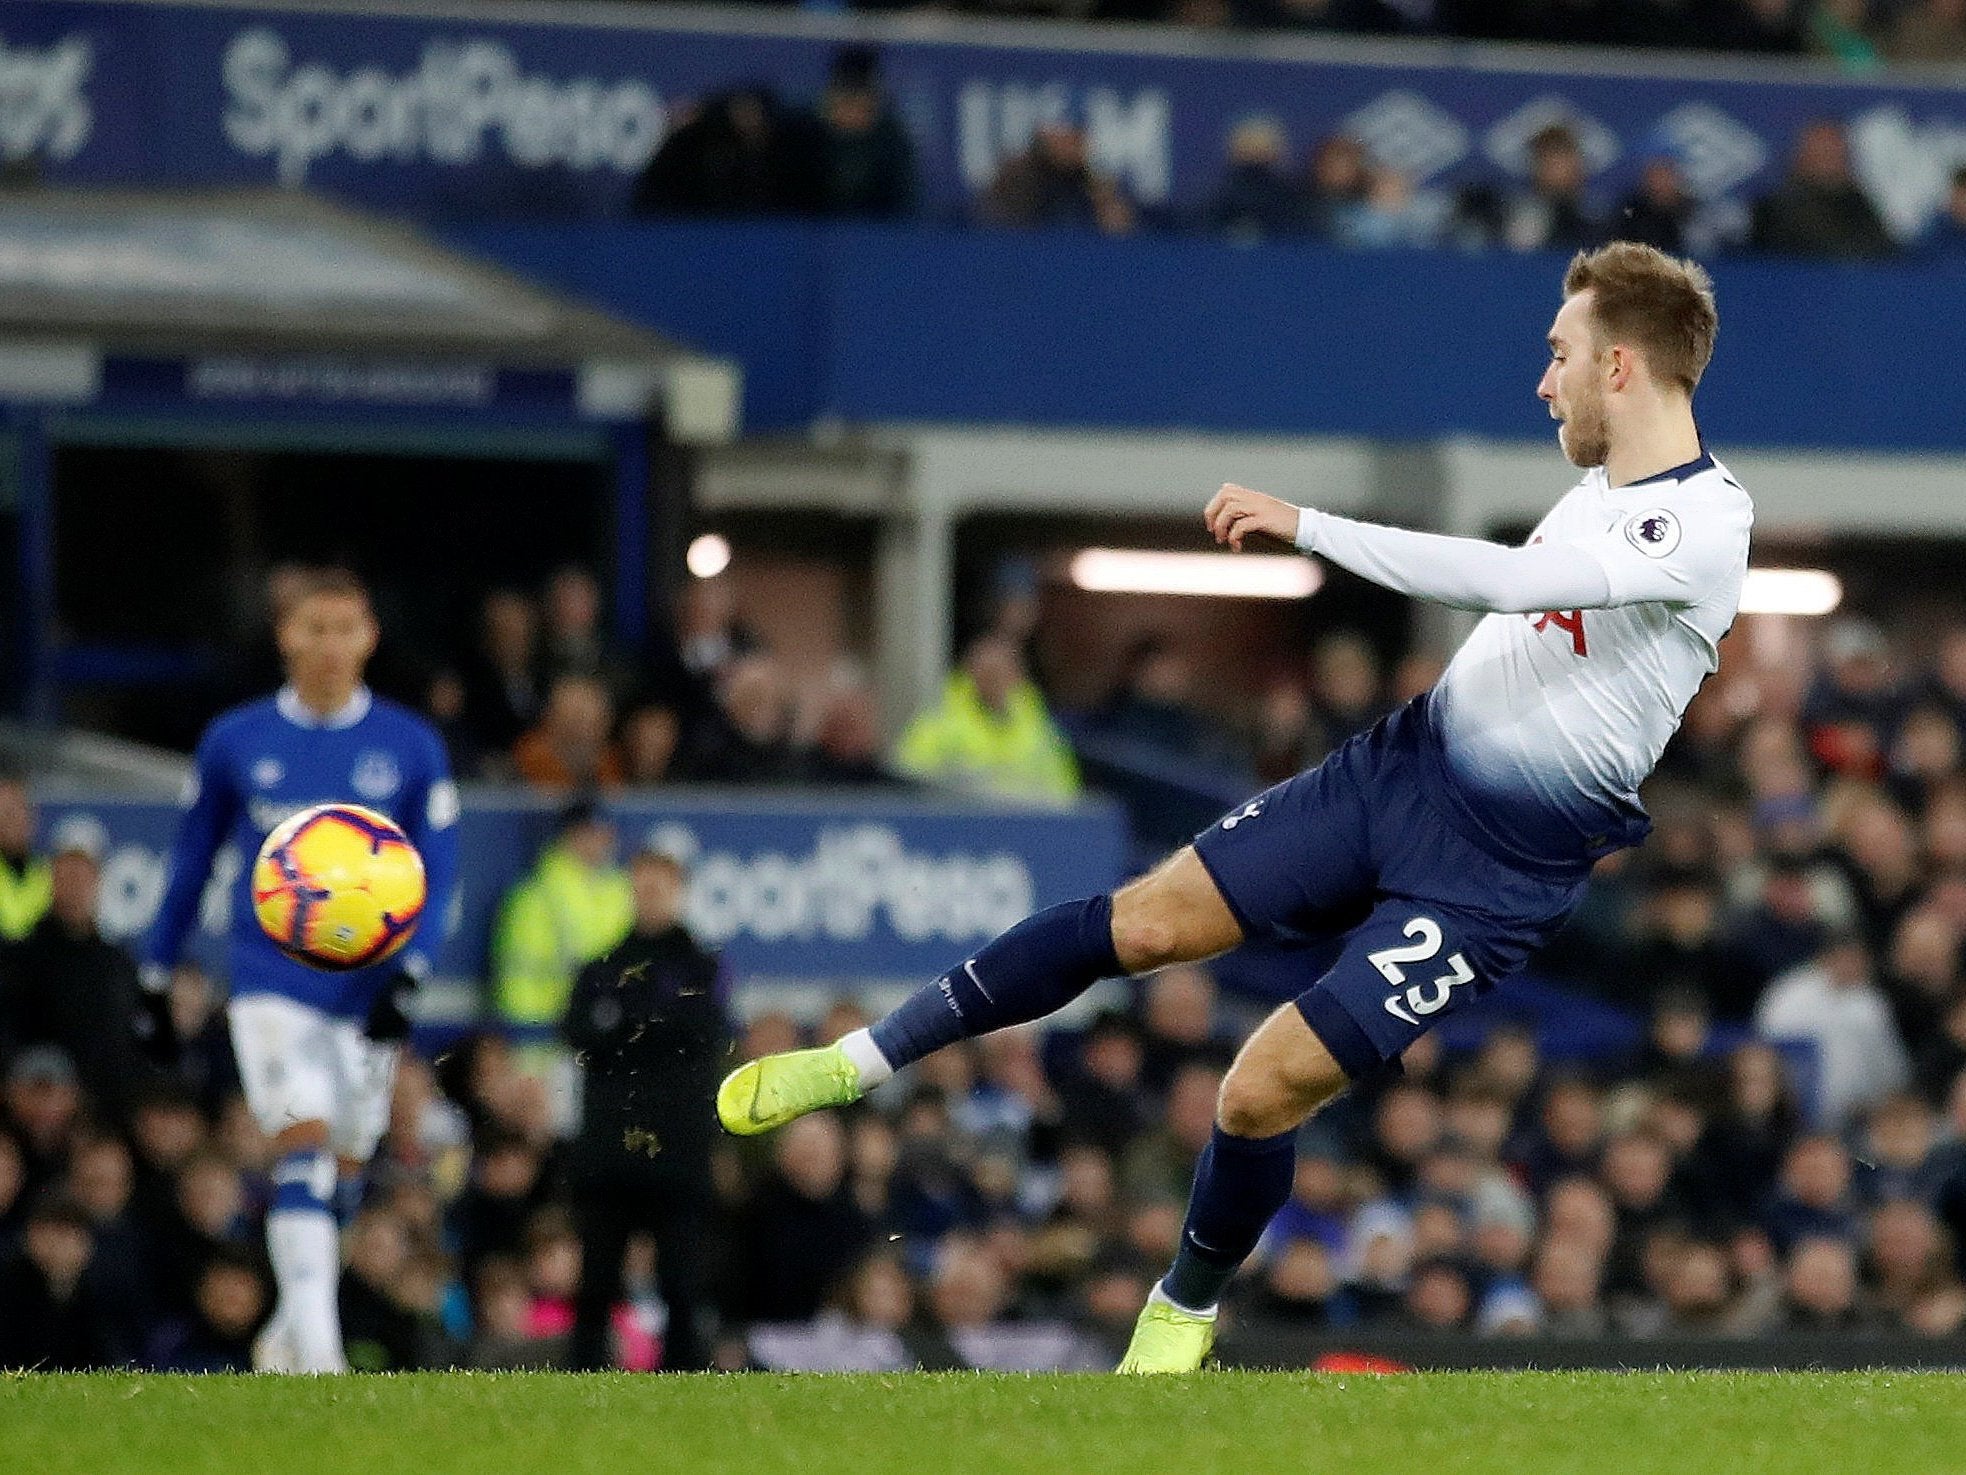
column 1416, row 1002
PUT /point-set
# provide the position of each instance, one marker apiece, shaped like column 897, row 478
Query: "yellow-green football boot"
column 775, row 1089
column 1167, row 1339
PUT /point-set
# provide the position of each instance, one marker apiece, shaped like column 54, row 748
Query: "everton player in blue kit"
column 317, row 1050
column 1443, row 846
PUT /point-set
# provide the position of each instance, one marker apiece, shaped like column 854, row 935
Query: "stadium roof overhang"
column 274, row 297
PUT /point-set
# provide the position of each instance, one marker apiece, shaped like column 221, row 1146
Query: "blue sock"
column 303, row 1183
column 1240, row 1183
column 1036, row 968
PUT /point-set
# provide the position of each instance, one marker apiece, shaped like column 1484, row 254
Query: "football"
column 338, row 886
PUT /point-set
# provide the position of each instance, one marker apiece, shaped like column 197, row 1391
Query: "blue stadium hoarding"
column 452, row 112
column 795, row 889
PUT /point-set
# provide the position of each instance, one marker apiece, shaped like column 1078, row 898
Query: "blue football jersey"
column 261, row 762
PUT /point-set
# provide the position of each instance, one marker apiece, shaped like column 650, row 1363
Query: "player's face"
column 326, row 640
column 1573, row 385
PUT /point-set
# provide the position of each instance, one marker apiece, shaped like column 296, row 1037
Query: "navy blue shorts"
column 1359, row 848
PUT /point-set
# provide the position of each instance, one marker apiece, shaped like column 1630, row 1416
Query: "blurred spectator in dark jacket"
column 573, row 639
column 1740, row 1155
column 570, row 746
column 650, row 736
column 1052, row 184
column 1298, row 725
column 866, row 155
column 1896, row 1154
column 1929, row 31
column 1878, row 857
column 44, row 1110
column 1945, row 238
column 650, row 1025
column 1178, row 1025
column 1160, row 1165
column 1347, row 690
column 53, row 1315
column 750, row 739
column 503, row 692
column 847, row 745
column 446, row 703
column 1658, row 211
column 1677, row 944
column 1257, row 200
column 1812, row 1197
column 66, row 985
column 1551, row 215
column 1925, row 755
column 1855, row 702
column 1105, row 1102
column 102, row 1181
column 1566, row 1139
column 1638, row 1171
column 1153, row 707
column 166, row 1132
column 1781, row 928
column 507, row 1187
column 231, row 1303
column 801, row 1231
column 204, row 1063
column 382, row 1332
column 743, row 153
column 1677, row 1058
column 1821, row 1293
column 709, row 632
column 1820, row 210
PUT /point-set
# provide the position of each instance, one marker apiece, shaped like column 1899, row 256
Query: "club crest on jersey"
column 1654, row 533
column 1248, row 811
column 268, row 772
column 376, row 775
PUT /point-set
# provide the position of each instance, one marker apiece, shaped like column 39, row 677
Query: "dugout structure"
column 269, row 321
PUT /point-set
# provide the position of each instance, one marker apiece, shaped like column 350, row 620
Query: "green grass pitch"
column 757, row 1424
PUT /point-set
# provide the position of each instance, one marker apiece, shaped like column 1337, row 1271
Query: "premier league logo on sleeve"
column 1654, row 533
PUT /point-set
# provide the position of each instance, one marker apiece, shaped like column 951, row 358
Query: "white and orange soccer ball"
column 338, row 886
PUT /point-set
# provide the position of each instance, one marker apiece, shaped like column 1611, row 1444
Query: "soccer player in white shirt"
column 1444, row 846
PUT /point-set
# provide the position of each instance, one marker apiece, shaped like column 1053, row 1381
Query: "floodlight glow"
column 708, row 555
column 1791, row 591
column 1219, row 575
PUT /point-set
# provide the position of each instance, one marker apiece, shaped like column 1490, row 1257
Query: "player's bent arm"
column 431, row 824
column 1677, row 551
column 208, row 818
column 1465, row 573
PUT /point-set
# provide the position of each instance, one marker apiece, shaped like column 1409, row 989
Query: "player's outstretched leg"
column 1281, row 1076
column 1173, row 915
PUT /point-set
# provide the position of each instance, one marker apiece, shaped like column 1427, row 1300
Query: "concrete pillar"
column 914, row 615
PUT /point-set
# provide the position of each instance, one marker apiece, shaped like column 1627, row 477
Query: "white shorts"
column 300, row 1065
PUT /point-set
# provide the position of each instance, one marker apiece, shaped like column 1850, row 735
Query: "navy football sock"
column 1036, row 968
column 1240, row 1183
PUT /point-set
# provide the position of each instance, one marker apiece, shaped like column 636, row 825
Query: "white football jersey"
column 1549, row 722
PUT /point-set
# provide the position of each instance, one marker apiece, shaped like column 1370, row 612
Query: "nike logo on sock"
column 969, row 967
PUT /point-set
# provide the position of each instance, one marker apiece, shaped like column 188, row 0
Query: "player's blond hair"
column 1658, row 304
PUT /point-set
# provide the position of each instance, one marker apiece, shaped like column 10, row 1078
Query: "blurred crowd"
column 1859, row 34
column 1785, row 1150
column 747, row 152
